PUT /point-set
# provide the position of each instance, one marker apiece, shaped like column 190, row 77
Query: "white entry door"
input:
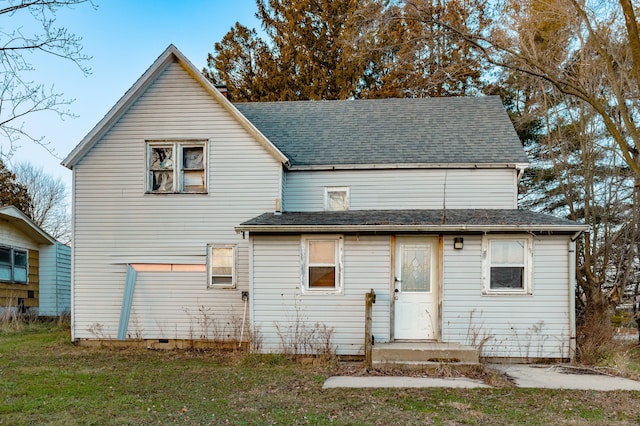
column 416, row 303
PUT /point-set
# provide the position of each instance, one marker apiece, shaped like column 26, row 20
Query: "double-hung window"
column 14, row 265
column 221, row 264
column 322, row 263
column 176, row 167
column 508, row 263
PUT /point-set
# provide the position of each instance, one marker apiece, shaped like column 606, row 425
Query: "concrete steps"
column 419, row 353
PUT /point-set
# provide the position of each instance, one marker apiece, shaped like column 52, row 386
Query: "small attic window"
column 336, row 198
column 176, row 167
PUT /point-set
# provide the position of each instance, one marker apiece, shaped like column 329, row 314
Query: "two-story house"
column 195, row 219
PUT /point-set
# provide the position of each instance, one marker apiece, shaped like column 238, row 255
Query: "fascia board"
column 383, row 166
column 272, row 229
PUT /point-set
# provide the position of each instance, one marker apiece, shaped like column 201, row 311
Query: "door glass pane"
column 415, row 267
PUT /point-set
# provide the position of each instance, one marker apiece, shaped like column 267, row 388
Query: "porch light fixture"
column 458, row 243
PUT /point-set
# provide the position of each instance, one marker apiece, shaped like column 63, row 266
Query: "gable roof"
column 436, row 220
column 21, row 221
column 168, row 56
column 429, row 131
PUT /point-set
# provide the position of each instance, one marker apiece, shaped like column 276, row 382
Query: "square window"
column 177, row 167
column 14, row 265
column 336, row 198
column 322, row 263
column 507, row 265
column 221, row 261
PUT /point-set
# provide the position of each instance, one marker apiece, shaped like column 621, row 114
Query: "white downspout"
column 572, row 298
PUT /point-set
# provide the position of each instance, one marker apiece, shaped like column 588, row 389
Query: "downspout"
column 572, row 294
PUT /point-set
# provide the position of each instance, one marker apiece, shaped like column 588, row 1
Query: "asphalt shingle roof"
column 460, row 130
column 464, row 219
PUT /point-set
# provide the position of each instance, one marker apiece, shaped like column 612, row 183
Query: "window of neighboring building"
column 176, row 167
column 14, row 265
column 221, row 264
column 336, row 198
column 507, row 265
column 322, row 263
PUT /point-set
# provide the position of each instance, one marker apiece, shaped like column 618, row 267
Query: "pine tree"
column 12, row 193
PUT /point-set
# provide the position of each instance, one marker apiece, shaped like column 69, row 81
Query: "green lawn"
column 44, row 379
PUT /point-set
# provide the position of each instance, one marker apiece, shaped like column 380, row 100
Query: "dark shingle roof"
column 456, row 220
column 458, row 130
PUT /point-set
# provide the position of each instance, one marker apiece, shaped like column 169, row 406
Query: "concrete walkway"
column 564, row 377
column 400, row 382
column 524, row 376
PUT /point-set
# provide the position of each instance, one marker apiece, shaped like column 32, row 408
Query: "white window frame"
column 178, row 168
column 330, row 189
column 338, row 264
column 12, row 264
column 527, row 275
column 234, row 266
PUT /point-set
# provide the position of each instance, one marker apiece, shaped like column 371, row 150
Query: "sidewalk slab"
column 563, row 377
column 400, row 382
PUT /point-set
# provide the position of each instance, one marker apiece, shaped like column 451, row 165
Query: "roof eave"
column 274, row 229
column 21, row 221
column 497, row 165
column 139, row 87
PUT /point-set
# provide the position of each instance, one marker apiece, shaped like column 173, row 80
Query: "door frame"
column 437, row 286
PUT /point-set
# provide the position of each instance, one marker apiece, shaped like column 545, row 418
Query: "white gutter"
column 376, row 166
column 410, row 228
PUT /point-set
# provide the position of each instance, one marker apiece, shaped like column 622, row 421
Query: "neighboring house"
column 35, row 269
column 199, row 220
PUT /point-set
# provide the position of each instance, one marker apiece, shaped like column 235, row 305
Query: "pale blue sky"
column 124, row 37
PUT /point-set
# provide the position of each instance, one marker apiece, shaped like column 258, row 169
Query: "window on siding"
column 14, row 265
column 336, row 198
column 221, row 261
column 176, row 167
column 507, row 265
column 322, row 263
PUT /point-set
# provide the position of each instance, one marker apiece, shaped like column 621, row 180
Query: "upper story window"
column 13, row 265
column 177, row 167
column 336, row 198
column 508, row 264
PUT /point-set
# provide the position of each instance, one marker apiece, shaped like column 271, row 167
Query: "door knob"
column 396, row 291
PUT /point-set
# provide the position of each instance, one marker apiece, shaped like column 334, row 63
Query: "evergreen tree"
column 12, row 193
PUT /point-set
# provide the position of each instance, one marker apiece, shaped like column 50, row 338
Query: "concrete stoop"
column 412, row 354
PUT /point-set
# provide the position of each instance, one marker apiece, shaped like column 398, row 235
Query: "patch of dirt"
column 487, row 375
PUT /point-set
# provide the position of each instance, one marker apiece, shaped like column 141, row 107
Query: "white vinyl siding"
column 280, row 307
column 522, row 326
column 116, row 223
column 405, row 189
